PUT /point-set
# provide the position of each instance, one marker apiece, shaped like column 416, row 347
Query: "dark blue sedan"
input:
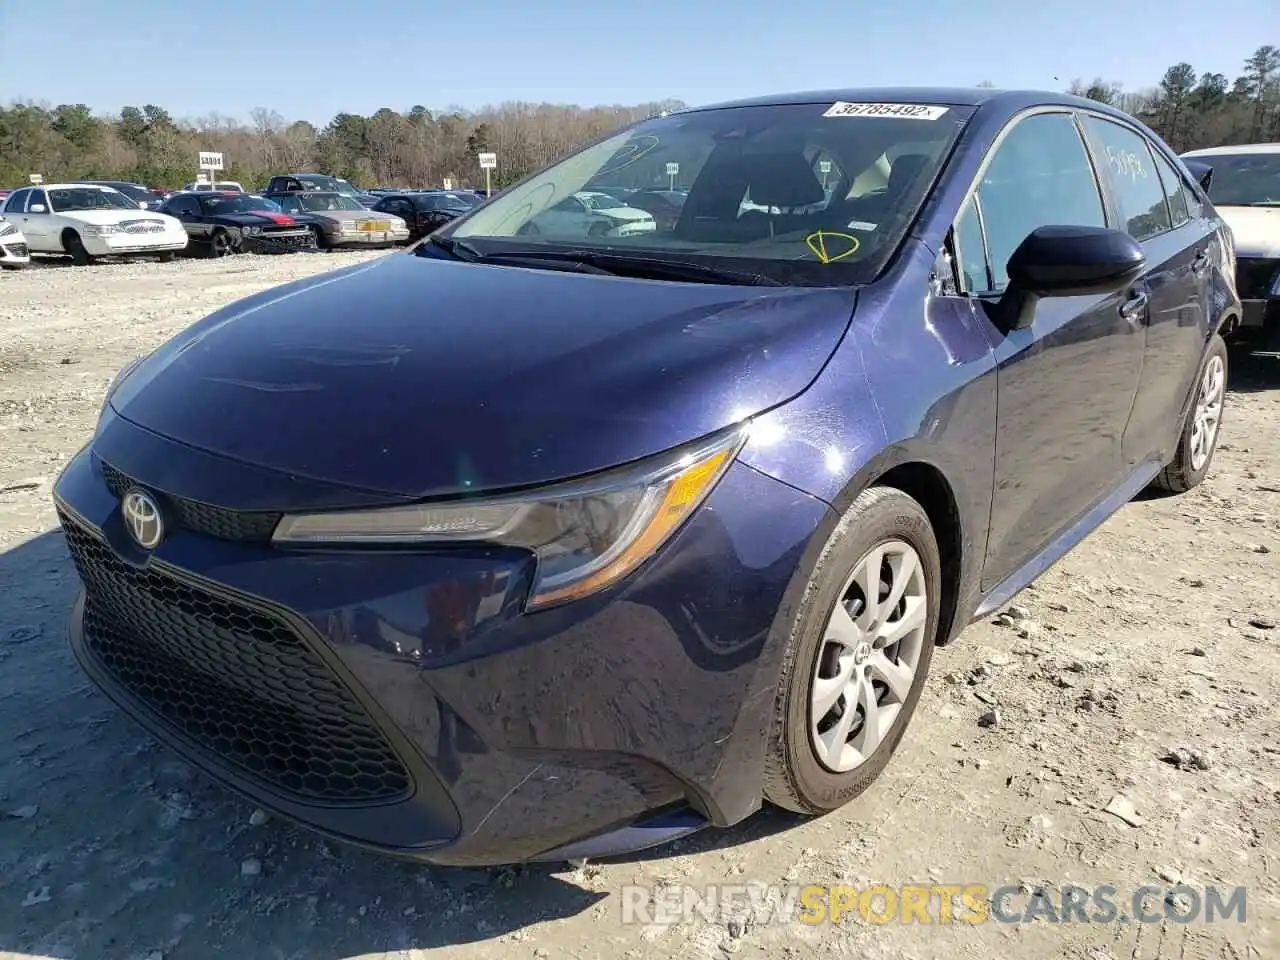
column 559, row 536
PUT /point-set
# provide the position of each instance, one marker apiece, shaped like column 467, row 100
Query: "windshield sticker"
column 829, row 247
column 862, row 225
column 899, row 111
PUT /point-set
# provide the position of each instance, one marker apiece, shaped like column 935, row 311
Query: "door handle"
column 1201, row 262
column 1133, row 309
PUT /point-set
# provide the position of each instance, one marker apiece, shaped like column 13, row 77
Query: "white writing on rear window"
column 901, row 111
column 1126, row 163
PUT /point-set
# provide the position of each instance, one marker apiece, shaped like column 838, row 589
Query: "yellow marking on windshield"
column 817, row 242
column 630, row 153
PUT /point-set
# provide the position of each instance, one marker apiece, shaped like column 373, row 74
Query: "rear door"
column 1065, row 385
column 1152, row 207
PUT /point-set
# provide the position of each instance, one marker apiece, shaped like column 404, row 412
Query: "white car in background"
column 14, row 252
column 222, row 186
column 84, row 221
column 1245, row 190
column 589, row 213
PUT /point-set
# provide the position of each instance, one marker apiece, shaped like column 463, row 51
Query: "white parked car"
column 84, row 220
column 14, row 252
column 1245, row 190
column 222, row 186
column 588, row 213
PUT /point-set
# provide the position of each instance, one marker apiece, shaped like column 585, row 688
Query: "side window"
column 1131, row 169
column 38, row 197
column 1175, row 192
column 290, row 204
column 1040, row 175
column 17, row 201
column 971, row 251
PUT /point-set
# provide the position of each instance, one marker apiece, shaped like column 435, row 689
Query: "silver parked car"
column 340, row 220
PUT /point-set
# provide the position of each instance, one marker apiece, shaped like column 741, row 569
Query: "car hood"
column 1256, row 230
column 625, row 213
column 362, row 214
column 414, row 376
column 257, row 218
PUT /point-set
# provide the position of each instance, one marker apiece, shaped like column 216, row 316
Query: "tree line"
column 419, row 147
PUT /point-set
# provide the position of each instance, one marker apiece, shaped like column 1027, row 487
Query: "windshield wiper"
column 459, row 248
column 628, row 265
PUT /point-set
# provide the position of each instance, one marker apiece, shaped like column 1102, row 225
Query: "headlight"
column 586, row 534
column 7, row 228
column 346, row 225
column 252, row 231
column 99, row 229
column 118, row 379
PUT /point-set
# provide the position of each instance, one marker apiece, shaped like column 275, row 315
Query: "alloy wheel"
column 1208, row 412
column 868, row 656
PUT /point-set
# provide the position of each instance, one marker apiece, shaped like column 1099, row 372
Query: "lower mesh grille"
column 232, row 678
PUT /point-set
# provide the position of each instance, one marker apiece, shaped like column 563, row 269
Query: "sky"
column 311, row 60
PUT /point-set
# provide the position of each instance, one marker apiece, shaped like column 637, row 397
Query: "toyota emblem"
column 142, row 518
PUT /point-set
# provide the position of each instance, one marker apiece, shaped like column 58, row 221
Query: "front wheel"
column 1199, row 439
column 859, row 652
column 221, row 244
column 166, row 257
column 75, row 247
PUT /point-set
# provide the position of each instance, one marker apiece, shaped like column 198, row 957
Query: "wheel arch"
column 64, row 233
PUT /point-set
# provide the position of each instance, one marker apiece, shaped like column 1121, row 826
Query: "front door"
column 1066, row 384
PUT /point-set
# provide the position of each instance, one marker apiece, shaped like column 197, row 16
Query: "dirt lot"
column 1146, row 666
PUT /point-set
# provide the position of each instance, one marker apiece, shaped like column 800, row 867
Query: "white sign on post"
column 673, row 171
column 824, row 168
column 210, row 161
column 448, row 183
column 36, row 179
column 488, row 162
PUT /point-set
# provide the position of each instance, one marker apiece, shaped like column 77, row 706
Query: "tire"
column 1187, row 469
column 322, row 242
column 598, row 230
column 795, row 777
column 166, row 257
column 221, row 244
column 74, row 246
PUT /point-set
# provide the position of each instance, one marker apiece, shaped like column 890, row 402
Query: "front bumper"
column 284, row 241
column 360, row 238
column 1258, row 285
column 402, row 700
column 14, row 253
column 119, row 244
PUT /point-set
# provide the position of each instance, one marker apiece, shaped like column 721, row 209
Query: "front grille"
column 1254, row 277
column 142, row 226
column 200, row 517
column 234, row 679
column 18, row 249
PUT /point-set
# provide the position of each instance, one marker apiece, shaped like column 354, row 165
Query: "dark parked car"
column 549, row 547
column 228, row 223
column 427, row 211
column 297, row 182
column 142, row 196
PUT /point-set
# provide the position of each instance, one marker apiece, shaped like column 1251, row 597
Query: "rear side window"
column 1131, row 170
column 1039, row 176
column 1175, row 191
column 16, row 202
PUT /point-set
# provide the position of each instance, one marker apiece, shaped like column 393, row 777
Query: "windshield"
column 242, row 203
column 133, row 191
column 336, row 184
column 88, row 198
column 812, row 194
column 318, row 202
column 1243, row 179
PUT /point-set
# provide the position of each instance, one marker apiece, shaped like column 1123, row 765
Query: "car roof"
column 948, row 96
column 71, row 186
column 1238, row 148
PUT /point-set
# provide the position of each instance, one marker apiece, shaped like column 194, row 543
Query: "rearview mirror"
column 1063, row 261
column 1201, row 171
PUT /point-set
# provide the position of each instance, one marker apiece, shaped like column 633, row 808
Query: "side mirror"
column 1201, row 171
column 1062, row 261
column 36, row 208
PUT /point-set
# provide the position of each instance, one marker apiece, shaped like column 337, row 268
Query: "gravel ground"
column 1145, row 667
